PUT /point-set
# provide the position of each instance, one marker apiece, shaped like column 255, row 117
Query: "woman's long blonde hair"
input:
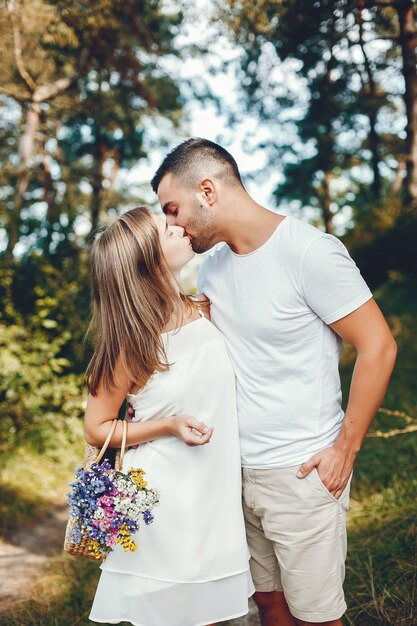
column 133, row 300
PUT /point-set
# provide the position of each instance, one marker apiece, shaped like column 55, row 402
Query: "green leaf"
column 49, row 323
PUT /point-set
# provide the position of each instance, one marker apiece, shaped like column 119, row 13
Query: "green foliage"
column 37, row 397
column 331, row 124
column 54, row 297
column 96, row 70
column 33, row 483
column 384, row 252
column 41, row 330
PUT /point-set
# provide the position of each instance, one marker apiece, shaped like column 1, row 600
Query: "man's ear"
column 207, row 188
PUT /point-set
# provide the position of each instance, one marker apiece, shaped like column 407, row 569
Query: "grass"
column 382, row 563
column 381, row 575
column 60, row 597
column 31, row 483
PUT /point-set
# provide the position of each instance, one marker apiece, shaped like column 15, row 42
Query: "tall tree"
column 372, row 95
column 86, row 70
column 341, row 72
column 396, row 20
column 32, row 82
column 408, row 43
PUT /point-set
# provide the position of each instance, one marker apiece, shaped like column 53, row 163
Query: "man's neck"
column 249, row 226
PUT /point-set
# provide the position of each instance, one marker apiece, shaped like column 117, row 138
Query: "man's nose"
column 170, row 220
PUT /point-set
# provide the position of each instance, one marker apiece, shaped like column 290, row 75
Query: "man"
column 284, row 295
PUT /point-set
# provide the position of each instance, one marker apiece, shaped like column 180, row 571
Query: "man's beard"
column 203, row 225
column 202, row 243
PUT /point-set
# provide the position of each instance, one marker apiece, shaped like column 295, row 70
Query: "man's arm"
column 367, row 331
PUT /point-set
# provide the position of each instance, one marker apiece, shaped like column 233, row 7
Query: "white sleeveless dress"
column 191, row 564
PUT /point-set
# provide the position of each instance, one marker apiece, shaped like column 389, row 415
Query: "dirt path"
column 30, row 549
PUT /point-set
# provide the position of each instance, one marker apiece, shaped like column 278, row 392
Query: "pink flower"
column 105, row 501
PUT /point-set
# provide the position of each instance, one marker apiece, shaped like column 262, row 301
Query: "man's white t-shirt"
column 273, row 307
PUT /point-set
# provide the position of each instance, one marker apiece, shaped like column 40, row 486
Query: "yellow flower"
column 137, row 477
column 93, row 549
column 124, row 539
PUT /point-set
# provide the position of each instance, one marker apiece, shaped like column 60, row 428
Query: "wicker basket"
column 92, row 455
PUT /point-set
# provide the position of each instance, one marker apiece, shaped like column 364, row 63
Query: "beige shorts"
column 296, row 532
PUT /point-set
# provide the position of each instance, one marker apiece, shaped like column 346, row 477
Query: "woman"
column 155, row 347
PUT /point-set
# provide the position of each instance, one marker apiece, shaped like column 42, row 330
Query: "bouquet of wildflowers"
column 106, row 508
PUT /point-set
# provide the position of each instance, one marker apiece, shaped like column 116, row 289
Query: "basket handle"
column 123, row 446
column 109, row 436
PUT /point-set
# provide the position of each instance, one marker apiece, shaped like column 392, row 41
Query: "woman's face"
column 175, row 246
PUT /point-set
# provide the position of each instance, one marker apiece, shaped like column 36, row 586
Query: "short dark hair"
column 188, row 158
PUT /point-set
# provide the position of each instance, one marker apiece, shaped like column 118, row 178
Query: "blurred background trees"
column 351, row 143
column 79, row 78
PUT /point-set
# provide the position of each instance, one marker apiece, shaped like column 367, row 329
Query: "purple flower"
column 148, row 517
column 132, row 526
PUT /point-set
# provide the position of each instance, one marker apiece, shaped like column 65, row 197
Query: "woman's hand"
column 189, row 430
column 129, row 415
column 130, row 412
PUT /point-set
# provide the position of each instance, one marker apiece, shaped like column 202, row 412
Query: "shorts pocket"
column 323, row 487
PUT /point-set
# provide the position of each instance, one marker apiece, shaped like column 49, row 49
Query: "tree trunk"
column 408, row 41
column 26, row 145
column 328, row 148
column 370, row 86
column 374, row 145
column 97, row 185
column 399, row 179
column 52, row 214
column 327, row 213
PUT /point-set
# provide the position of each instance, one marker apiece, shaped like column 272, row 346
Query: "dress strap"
column 200, row 303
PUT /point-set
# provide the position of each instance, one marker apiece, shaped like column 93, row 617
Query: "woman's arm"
column 104, row 407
